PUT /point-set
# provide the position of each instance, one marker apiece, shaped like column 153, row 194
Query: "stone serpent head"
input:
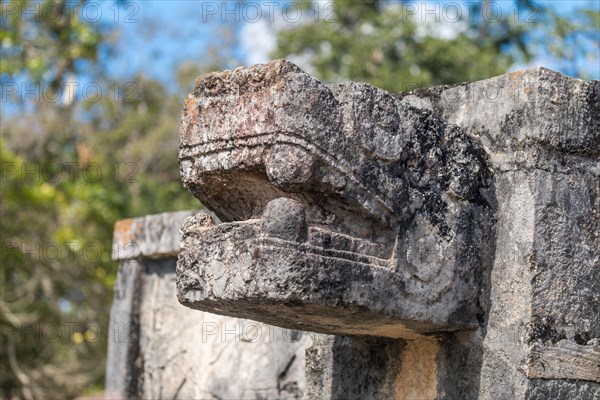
column 343, row 210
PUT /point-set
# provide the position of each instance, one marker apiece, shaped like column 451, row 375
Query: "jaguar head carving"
column 341, row 209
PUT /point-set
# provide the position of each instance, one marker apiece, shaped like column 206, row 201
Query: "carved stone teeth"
column 285, row 218
column 192, row 226
column 197, row 223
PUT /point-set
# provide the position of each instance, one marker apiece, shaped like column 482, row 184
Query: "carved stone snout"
column 343, row 211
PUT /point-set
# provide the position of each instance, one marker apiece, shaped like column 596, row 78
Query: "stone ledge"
column 151, row 236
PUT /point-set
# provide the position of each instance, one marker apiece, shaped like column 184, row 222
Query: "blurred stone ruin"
column 358, row 244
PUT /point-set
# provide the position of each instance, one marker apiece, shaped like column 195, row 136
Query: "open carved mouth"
column 294, row 244
column 292, row 195
column 290, row 243
column 315, row 226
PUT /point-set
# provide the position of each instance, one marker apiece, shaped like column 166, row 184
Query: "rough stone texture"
column 121, row 371
column 463, row 221
column 362, row 367
column 345, row 211
column 160, row 349
column 565, row 360
column 541, row 132
column 152, row 236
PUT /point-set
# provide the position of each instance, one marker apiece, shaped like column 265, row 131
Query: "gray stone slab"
column 160, row 349
column 462, row 223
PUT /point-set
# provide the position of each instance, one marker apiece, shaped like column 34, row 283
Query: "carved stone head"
column 343, row 210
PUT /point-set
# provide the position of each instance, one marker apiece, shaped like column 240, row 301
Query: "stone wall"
column 159, row 349
column 443, row 243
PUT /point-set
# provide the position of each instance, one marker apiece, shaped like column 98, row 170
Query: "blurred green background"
column 75, row 160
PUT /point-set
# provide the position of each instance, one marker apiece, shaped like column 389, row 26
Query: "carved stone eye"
column 425, row 255
column 426, row 261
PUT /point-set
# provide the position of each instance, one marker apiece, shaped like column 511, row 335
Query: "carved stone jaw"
column 282, row 270
column 340, row 217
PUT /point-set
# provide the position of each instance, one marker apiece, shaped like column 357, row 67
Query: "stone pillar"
column 446, row 241
column 541, row 132
column 160, row 349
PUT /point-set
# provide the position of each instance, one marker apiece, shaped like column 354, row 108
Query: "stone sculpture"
column 448, row 237
column 345, row 210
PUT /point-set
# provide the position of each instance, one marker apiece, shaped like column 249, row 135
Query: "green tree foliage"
column 70, row 169
column 62, row 191
column 54, row 279
column 48, row 40
column 386, row 44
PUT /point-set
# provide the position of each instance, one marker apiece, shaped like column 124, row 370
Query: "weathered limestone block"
column 364, row 367
column 345, row 211
column 541, row 132
column 160, row 349
column 462, row 221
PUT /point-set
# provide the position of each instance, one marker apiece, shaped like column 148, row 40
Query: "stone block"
column 159, row 349
column 455, row 229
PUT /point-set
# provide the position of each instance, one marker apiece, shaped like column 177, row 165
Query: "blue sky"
column 157, row 36
column 154, row 37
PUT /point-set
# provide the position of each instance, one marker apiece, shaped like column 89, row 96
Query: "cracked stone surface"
column 345, row 211
column 458, row 223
